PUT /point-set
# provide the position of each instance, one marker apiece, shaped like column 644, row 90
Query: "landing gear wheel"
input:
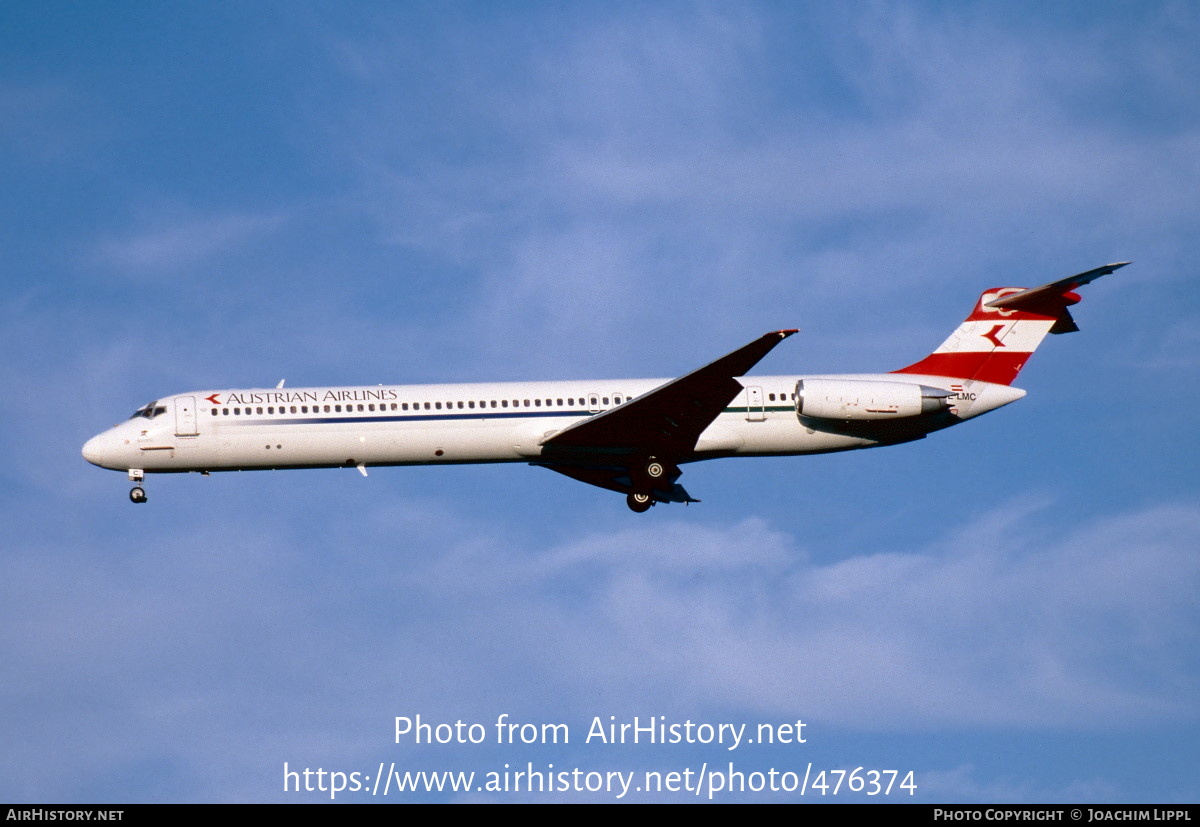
column 655, row 470
column 138, row 494
column 639, row 503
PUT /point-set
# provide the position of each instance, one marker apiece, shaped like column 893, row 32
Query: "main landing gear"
column 138, row 494
column 639, row 502
column 654, row 475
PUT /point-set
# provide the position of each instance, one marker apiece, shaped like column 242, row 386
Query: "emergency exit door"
column 754, row 404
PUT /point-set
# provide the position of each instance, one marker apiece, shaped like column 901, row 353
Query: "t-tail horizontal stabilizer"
column 1054, row 298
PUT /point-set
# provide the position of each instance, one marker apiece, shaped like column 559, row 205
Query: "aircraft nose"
column 98, row 449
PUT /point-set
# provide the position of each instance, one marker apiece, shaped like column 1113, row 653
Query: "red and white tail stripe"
column 1004, row 329
column 992, row 345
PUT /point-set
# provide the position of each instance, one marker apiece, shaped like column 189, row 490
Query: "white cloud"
column 1008, row 622
column 164, row 249
column 995, row 626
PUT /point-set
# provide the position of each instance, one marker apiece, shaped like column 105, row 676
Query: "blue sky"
column 223, row 195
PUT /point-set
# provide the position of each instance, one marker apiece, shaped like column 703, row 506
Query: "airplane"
column 625, row 435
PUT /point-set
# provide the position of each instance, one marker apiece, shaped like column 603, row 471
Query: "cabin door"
column 185, row 416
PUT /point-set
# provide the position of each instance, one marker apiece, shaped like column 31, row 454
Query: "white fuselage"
column 626, row 435
column 461, row 423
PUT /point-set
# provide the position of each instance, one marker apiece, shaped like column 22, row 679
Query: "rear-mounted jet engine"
column 857, row 400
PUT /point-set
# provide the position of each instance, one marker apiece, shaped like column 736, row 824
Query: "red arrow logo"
column 213, row 399
column 991, row 335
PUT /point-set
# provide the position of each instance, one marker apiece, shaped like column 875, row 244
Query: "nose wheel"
column 138, row 494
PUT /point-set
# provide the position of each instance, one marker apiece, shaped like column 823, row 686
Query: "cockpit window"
column 149, row 411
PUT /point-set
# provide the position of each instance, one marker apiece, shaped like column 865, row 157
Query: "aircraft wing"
column 667, row 421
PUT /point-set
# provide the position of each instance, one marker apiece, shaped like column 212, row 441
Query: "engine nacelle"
column 861, row 400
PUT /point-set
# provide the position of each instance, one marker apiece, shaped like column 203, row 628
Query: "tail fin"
column 1005, row 328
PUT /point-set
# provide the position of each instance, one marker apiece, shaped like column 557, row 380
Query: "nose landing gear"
column 138, row 494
